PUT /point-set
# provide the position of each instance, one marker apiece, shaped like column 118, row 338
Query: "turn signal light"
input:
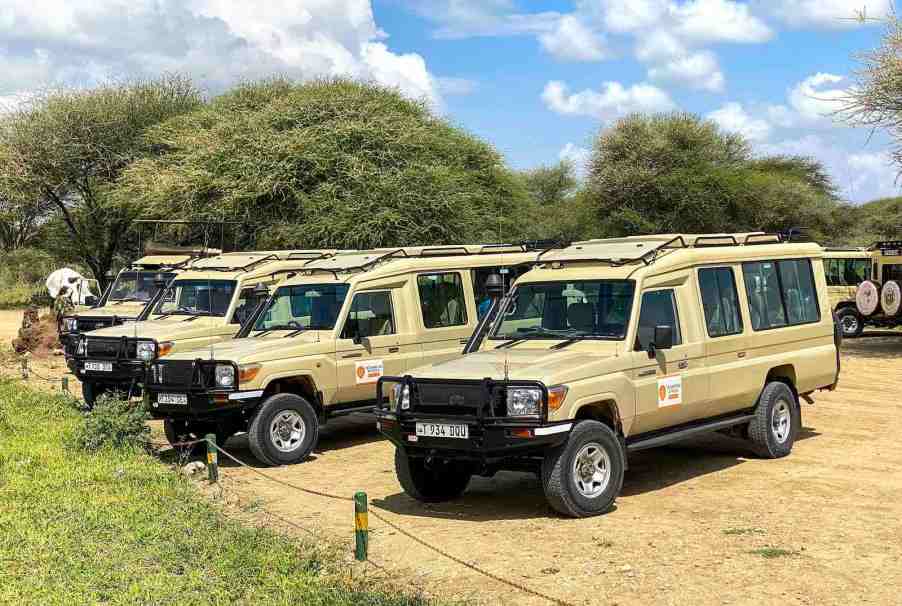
column 521, row 433
column 556, row 397
column 164, row 348
column 247, row 372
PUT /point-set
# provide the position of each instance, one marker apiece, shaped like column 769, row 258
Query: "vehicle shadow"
column 519, row 496
column 882, row 344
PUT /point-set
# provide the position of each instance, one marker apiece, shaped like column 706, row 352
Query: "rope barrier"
column 403, row 532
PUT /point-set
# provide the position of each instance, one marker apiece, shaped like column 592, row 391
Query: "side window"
column 508, row 274
column 799, row 294
column 442, row 300
column 658, row 309
column 891, row 272
column 765, row 299
column 720, row 301
column 247, row 303
column 370, row 316
column 846, row 272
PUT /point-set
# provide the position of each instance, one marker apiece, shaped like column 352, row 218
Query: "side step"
column 343, row 412
column 661, row 439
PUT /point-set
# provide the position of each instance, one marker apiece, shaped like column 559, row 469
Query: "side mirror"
column 260, row 290
column 365, row 341
column 494, row 286
column 663, row 339
column 159, row 281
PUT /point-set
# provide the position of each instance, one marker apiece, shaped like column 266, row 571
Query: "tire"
column 91, row 392
column 891, row 298
column 565, row 471
column 777, row 421
column 178, row 431
column 850, row 321
column 867, row 297
column 284, row 430
column 442, row 481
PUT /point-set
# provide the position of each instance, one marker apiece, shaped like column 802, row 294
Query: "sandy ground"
column 689, row 527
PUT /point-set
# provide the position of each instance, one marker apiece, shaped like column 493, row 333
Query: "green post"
column 212, row 458
column 361, row 526
column 24, row 368
column 64, row 384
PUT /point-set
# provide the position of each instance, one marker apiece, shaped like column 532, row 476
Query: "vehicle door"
column 726, row 340
column 447, row 315
column 369, row 346
column 670, row 384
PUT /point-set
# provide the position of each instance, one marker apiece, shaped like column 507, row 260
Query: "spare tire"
column 891, row 298
column 867, row 297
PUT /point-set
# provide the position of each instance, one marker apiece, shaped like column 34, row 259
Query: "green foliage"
column 679, row 173
column 113, row 422
column 328, row 164
column 116, row 527
column 63, row 149
column 22, row 275
column 557, row 204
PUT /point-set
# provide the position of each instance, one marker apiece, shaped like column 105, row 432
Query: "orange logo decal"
column 360, row 372
column 662, row 393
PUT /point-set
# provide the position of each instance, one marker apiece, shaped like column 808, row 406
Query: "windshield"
column 197, row 298
column 560, row 310
column 308, row 306
column 136, row 285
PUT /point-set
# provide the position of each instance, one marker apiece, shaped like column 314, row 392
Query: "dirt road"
column 705, row 523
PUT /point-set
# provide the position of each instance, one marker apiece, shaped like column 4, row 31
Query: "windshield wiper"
column 569, row 341
column 296, row 332
column 524, row 336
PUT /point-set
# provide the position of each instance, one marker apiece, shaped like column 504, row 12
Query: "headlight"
column 399, row 393
column 82, row 346
column 146, row 350
column 225, row 375
column 524, row 402
column 70, row 324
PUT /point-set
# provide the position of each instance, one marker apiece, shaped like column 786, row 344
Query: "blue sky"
column 535, row 79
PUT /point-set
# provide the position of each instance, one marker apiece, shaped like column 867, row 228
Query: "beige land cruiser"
column 200, row 307
column 126, row 297
column 612, row 346
column 845, row 270
column 317, row 348
column 878, row 299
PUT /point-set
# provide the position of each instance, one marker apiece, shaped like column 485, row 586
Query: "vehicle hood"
column 173, row 328
column 130, row 309
column 262, row 349
column 529, row 364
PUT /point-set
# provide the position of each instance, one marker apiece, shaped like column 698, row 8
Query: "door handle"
column 393, row 349
column 741, row 354
column 353, row 355
column 683, row 364
column 464, row 341
column 647, row 373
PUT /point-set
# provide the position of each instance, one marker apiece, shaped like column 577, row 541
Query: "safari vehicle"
column 613, row 346
column 126, row 297
column 200, row 307
column 878, row 300
column 318, row 346
column 845, row 269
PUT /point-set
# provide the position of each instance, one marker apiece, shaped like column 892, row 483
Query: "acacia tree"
column 332, row 163
column 679, row 173
column 62, row 150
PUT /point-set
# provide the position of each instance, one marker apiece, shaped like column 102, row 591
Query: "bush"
column 113, row 422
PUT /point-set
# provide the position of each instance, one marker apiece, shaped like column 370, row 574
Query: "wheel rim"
column 591, row 470
column 850, row 324
column 781, row 421
column 287, row 430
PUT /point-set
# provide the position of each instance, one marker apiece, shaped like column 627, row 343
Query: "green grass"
column 119, row 527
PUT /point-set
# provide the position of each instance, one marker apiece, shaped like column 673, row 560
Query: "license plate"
column 442, row 430
column 177, row 399
column 99, row 366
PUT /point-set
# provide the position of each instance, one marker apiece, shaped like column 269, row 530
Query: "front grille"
column 183, row 374
column 111, row 348
column 459, row 399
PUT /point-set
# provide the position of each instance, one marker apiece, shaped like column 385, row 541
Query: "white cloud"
column 613, row 100
column 732, row 117
column 631, row 15
column 219, row 42
column 697, row 70
column 859, row 176
column 814, row 99
column 576, row 155
column 572, row 41
column 457, row 86
column 718, row 21
column 468, row 18
column 830, row 14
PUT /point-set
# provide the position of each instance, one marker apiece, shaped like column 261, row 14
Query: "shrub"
column 113, row 422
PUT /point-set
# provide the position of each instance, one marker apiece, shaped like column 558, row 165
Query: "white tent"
column 79, row 287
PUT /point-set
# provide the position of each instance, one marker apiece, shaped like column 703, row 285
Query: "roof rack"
column 621, row 251
column 234, row 268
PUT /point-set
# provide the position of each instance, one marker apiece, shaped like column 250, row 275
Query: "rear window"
column 780, row 293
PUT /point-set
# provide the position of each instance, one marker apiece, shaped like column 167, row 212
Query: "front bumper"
column 490, row 437
column 194, row 379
